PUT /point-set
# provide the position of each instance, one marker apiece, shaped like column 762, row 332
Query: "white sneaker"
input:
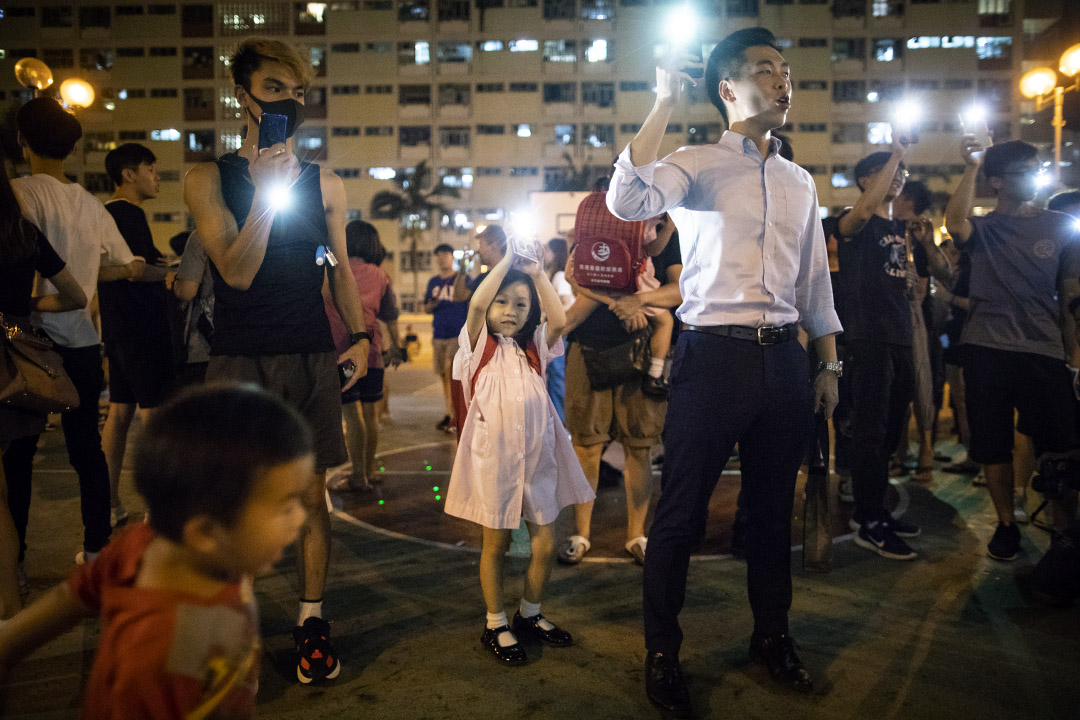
column 1020, row 513
column 118, row 515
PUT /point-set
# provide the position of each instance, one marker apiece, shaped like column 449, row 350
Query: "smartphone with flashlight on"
column 272, row 129
column 693, row 46
column 909, row 132
column 527, row 249
column 976, row 127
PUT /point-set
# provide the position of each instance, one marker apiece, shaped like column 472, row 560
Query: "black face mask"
column 293, row 111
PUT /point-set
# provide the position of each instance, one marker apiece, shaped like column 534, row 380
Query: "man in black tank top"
column 271, row 225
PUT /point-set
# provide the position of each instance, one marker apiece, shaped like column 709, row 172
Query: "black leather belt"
column 761, row 335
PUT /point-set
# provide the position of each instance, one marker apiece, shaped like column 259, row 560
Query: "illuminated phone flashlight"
column 279, row 196
column 682, row 30
column 523, row 233
column 906, row 119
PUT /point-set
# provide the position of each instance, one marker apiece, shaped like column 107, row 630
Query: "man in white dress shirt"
column 754, row 268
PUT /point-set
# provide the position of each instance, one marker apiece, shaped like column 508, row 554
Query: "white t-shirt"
column 84, row 234
column 563, row 289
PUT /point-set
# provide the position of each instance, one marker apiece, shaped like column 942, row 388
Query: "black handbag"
column 615, row 366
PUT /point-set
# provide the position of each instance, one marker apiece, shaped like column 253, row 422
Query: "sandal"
column 636, row 548
column 576, row 547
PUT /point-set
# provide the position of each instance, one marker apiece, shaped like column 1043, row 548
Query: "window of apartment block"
column 98, row 183
column 489, row 45
column 414, row 135
column 171, row 175
column 310, row 18
column 779, row 2
column 704, row 133
column 563, row 134
column 559, row 9
column 849, row 8
column 414, row 10
column 246, row 18
column 560, row 92
column 885, row 90
column 197, row 20
column 673, row 129
column 317, row 55
column 457, row 177
column 560, row 51
column 310, row 142
column 598, row 135
column 200, row 141
column 843, row 176
column 849, row 49
column 600, row 50
column 451, row 10
column 198, row 63
column 845, row 132
column 996, row 92
column 454, row 136
column 345, row 48
column 132, row 94
column 379, row 47
column 99, row 142
column 522, row 130
column 629, row 128
column 600, row 94
column 489, row 171
column 379, row 131
column 198, row 103
column 490, row 129
column 95, row 16
column 347, row 173
column 414, row 53
column 454, row 94
column 351, row 131
column 524, row 171
column 524, row 45
column 13, row 11
column 414, row 95
column 597, row 9
column 524, row 87
column 58, row 58
column 849, row 91
column 742, row 8
column 490, row 87
column 129, row 10
column 345, row 90
column 634, row 86
column 888, row 49
column 556, row 178
column 455, row 52
column 377, row 4
column 813, row 85
column 96, row 58
column 378, row 89
column 923, row 84
column 131, row 135
column 813, row 42
column 816, row 169
column 995, row 13
column 994, row 53
column 161, row 9
column 887, row 8
column 162, row 51
column 57, row 16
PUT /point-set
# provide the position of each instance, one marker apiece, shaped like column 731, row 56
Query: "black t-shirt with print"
column 873, row 273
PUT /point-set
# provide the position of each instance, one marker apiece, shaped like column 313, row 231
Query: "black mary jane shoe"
column 531, row 626
column 509, row 655
column 664, row 684
column 777, row 653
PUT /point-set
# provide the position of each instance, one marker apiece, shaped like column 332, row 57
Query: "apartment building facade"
column 502, row 97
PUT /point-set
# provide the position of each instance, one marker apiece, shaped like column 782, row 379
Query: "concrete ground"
column 949, row 635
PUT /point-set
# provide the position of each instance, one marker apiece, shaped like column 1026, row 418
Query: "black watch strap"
column 357, row 337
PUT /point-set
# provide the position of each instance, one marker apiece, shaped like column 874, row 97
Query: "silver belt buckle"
column 774, row 339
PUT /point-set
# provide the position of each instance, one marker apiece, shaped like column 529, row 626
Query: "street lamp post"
column 1041, row 84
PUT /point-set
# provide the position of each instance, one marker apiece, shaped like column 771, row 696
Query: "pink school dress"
column 514, row 459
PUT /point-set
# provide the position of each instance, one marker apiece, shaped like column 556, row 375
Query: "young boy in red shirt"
column 222, row 470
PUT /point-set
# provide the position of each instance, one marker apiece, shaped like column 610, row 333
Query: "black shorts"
column 307, row 381
column 1039, row 387
column 367, row 389
column 140, row 370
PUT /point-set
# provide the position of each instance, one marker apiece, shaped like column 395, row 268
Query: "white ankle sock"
column 498, row 620
column 656, row 367
column 528, row 610
column 309, row 609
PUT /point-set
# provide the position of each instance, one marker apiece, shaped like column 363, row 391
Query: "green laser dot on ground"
column 428, row 468
column 436, row 488
column 382, row 502
column 438, row 497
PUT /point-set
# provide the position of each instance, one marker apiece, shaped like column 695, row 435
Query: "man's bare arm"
column 343, row 288
column 868, row 203
column 963, row 197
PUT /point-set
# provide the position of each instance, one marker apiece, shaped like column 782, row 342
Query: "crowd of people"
column 241, row 395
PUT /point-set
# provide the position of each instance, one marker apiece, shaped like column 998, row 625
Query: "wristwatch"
column 836, row 367
column 357, row 337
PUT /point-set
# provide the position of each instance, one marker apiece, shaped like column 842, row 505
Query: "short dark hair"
column 494, row 234
column 48, row 129
column 362, row 241
column 919, row 195
column 128, row 156
column 1064, row 199
column 525, row 335
column 726, row 59
column 443, row 247
column 871, row 164
column 999, row 157
column 202, row 453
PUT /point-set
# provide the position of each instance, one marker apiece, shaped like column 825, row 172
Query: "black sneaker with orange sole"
column 316, row 656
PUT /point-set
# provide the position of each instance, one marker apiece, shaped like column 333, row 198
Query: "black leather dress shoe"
column 777, row 653
column 509, row 655
column 664, row 684
column 531, row 626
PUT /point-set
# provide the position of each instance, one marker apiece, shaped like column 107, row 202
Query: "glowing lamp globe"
column 1070, row 61
column 77, row 93
column 1037, row 82
column 32, row 73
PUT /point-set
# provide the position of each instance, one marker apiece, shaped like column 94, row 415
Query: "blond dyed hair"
column 253, row 52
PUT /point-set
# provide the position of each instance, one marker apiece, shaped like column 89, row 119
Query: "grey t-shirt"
column 199, row 323
column 1016, row 264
